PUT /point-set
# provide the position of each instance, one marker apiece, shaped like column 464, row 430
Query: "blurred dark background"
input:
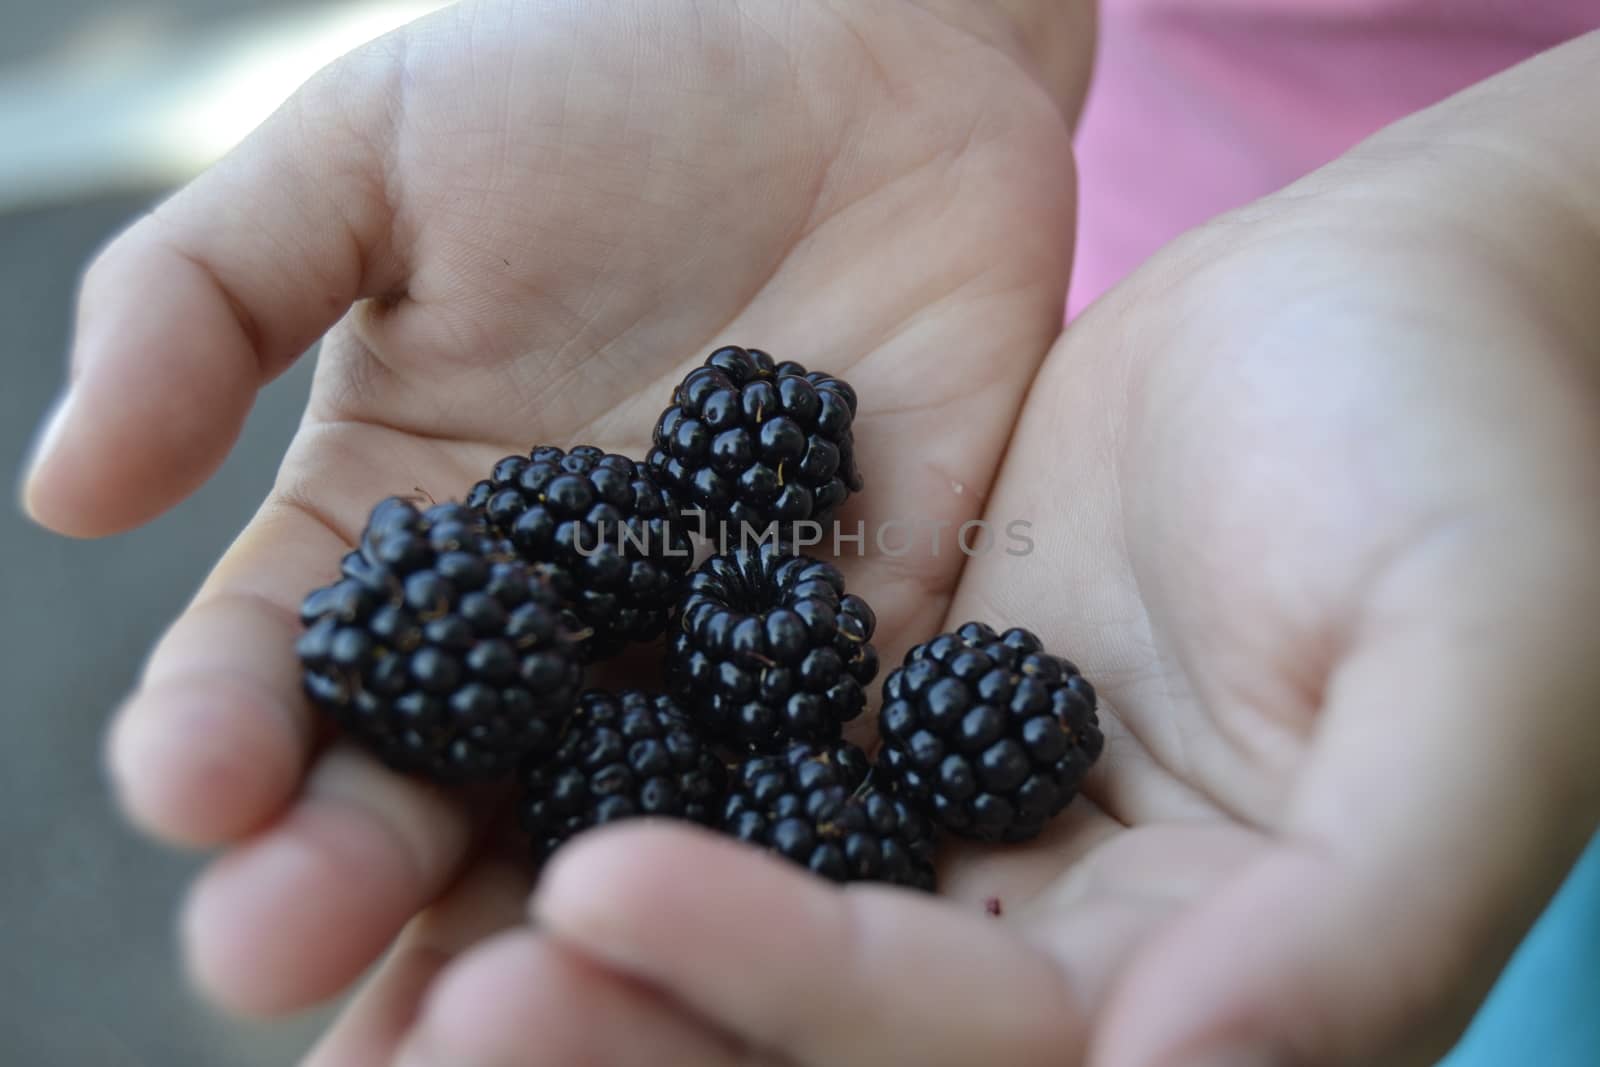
column 89, row 971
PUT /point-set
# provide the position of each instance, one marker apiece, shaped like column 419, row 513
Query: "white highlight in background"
column 132, row 112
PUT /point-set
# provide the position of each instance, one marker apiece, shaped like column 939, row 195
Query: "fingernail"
column 45, row 443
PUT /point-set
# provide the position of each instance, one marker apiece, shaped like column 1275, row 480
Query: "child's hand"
column 547, row 212
column 1317, row 505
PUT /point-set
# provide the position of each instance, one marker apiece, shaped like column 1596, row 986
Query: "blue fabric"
column 1545, row 1010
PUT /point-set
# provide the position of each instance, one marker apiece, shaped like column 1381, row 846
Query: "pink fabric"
column 1199, row 106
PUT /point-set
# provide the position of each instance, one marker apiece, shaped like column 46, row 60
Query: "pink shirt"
column 1199, row 106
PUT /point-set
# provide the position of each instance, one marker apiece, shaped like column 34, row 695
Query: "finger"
column 218, row 739
column 294, row 915
column 489, row 899
column 186, row 314
column 524, row 998
column 1451, row 789
column 215, row 741
column 785, row 961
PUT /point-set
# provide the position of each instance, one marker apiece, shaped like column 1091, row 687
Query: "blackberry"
column 438, row 649
column 987, row 733
column 814, row 805
column 751, row 443
column 768, row 648
column 623, row 755
column 608, row 535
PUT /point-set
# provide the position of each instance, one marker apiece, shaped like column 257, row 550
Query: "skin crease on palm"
column 1312, row 495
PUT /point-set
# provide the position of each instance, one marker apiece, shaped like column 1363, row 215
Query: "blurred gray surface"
column 89, row 973
column 28, row 28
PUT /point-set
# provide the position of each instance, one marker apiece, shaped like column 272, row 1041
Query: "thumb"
column 1450, row 789
column 782, row 961
column 189, row 312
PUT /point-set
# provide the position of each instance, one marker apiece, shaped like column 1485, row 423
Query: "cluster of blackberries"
column 454, row 642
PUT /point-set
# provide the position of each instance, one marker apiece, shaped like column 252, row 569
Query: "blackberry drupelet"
column 751, row 442
column 768, row 648
column 438, row 649
column 623, row 755
column 987, row 733
column 608, row 535
column 814, row 805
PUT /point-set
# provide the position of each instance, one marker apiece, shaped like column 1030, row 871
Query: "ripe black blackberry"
column 814, row 805
column 623, row 755
column 438, row 649
column 768, row 648
column 751, row 442
column 987, row 733
column 607, row 533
